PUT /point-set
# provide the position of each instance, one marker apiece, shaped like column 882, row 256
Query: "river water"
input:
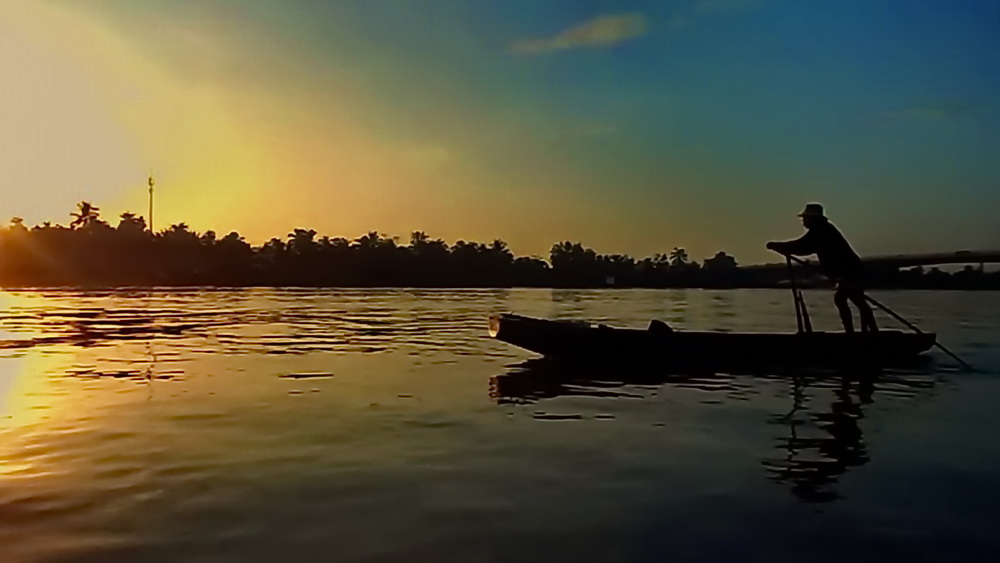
column 385, row 425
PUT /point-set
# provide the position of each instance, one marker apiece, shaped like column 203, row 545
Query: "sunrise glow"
column 706, row 125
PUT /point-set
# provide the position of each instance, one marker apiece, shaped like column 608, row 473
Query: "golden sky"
column 629, row 129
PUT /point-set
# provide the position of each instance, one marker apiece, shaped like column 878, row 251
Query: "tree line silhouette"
column 90, row 252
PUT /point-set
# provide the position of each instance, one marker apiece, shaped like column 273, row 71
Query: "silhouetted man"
column 839, row 262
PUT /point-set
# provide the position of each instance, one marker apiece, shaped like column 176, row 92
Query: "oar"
column 912, row 326
column 795, row 294
column 899, row 318
column 801, row 312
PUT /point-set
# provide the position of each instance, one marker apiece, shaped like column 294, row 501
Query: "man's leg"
column 840, row 300
column 857, row 296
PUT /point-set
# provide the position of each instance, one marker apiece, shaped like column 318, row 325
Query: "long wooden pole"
column 918, row 331
column 795, row 295
column 801, row 312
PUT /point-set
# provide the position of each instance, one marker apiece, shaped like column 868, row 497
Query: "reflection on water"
column 383, row 425
column 822, row 437
column 825, row 439
column 813, row 464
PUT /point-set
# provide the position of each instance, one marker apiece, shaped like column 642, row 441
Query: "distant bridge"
column 979, row 257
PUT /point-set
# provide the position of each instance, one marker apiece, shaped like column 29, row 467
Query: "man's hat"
column 812, row 210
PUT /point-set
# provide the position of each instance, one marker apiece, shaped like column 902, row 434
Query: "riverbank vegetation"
column 93, row 252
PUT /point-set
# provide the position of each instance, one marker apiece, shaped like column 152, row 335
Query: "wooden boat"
column 577, row 340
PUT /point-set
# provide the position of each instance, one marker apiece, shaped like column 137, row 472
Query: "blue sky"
column 632, row 126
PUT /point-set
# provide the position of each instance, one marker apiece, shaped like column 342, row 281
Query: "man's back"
column 835, row 254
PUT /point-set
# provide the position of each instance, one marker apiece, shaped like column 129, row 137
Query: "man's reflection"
column 813, row 463
column 822, row 439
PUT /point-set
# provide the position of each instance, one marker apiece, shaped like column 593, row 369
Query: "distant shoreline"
column 90, row 253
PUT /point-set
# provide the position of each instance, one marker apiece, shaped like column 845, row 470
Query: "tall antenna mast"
column 151, row 182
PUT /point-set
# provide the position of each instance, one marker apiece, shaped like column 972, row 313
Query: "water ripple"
column 258, row 425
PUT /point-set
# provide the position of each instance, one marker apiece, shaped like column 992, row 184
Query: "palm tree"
column 678, row 257
column 86, row 215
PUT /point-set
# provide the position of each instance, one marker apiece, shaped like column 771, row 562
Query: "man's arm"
column 801, row 246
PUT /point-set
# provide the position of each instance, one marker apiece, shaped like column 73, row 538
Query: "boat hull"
column 586, row 342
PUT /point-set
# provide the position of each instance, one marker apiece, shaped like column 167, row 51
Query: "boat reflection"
column 812, row 464
column 821, row 437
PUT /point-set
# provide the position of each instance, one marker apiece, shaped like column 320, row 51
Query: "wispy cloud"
column 725, row 7
column 931, row 112
column 603, row 31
